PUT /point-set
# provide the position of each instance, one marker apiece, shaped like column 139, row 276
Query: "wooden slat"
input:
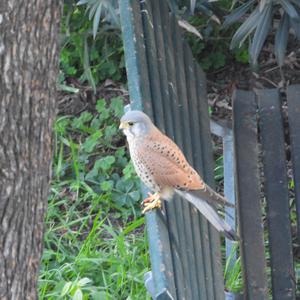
column 276, row 192
column 152, row 65
column 248, row 196
column 165, row 82
column 210, row 243
column 174, row 208
column 141, row 97
column 179, row 112
column 196, row 161
column 164, row 121
column 178, row 235
column 184, row 262
column 135, row 56
column 293, row 99
column 212, row 247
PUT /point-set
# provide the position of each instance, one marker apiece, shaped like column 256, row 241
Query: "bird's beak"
column 123, row 125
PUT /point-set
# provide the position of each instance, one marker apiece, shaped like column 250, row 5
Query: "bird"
column 163, row 168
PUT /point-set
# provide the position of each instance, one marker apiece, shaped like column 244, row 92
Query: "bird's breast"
column 144, row 169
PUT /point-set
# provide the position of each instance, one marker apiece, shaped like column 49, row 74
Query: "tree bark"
column 28, row 71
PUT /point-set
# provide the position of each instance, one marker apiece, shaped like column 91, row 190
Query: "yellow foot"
column 151, row 202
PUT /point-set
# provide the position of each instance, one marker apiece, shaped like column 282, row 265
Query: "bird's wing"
column 168, row 164
column 170, row 168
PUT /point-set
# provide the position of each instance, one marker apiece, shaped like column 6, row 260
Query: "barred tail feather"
column 210, row 214
column 209, row 195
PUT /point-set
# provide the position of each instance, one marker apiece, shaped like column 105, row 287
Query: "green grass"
column 86, row 256
column 94, row 244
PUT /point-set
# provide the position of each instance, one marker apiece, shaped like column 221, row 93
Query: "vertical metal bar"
column 229, row 187
column 152, row 64
column 210, row 237
column 135, row 55
column 225, row 132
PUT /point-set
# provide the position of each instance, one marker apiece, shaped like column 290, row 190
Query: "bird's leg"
column 153, row 201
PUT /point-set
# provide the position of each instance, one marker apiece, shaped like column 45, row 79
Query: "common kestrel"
column 162, row 167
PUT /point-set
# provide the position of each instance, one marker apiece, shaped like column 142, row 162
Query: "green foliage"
column 259, row 24
column 213, row 51
column 233, row 272
column 219, row 169
column 94, row 245
column 87, row 150
column 241, row 55
column 84, row 55
column 260, row 18
column 101, row 10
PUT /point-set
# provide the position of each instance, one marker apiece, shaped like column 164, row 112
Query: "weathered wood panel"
column 165, row 82
column 276, row 193
column 293, row 99
column 248, row 195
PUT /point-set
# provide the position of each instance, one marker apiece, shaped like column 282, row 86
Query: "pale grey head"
column 136, row 124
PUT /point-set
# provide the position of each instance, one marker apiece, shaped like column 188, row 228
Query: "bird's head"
column 135, row 124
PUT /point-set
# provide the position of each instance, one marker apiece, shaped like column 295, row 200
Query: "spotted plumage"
column 163, row 168
column 163, row 164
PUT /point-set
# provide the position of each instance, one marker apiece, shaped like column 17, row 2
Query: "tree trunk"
column 28, row 71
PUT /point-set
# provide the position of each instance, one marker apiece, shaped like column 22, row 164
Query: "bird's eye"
column 130, row 123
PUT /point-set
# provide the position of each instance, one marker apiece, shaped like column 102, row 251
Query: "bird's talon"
column 151, row 202
column 150, row 198
column 147, row 200
column 152, row 205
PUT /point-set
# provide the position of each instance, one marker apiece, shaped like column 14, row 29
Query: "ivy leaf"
column 91, row 175
column 134, row 196
column 96, row 123
column 124, row 185
column 82, row 120
column 102, row 110
column 107, row 185
column 105, row 163
column 125, row 193
column 100, row 105
column 110, row 131
column 129, row 171
column 117, row 106
column 91, row 142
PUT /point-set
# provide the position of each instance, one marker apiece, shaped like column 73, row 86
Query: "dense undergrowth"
column 95, row 247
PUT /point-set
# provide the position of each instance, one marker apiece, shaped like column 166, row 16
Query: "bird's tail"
column 210, row 196
column 201, row 202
